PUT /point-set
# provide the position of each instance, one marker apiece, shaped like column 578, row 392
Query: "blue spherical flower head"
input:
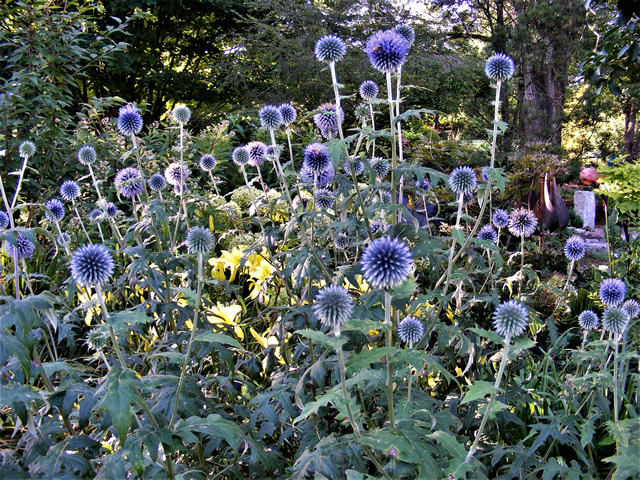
column 87, row 155
column 111, row 210
column 368, row 90
column 410, row 330
column 484, row 174
column 333, row 306
column 500, row 218
column 56, row 210
column 612, row 291
column 273, row 152
column 423, row 186
column 207, row 162
column 522, row 222
column 327, row 119
column 353, row 164
column 324, row 199
column 499, row 67
column 374, row 226
column 407, row 32
column 257, row 153
column 27, row 149
column 91, row 265
column 240, row 156
column 288, row 113
column 463, row 180
column 199, row 240
column 510, row 319
column 575, row 248
column 632, row 308
column 322, row 178
column 129, row 120
column 488, row 233
column 467, row 199
column 181, row 114
column 176, row 174
column 341, row 241
column 4, row 220
column 69, row 190
column 24, row 248
column 386, row 262
column 588, row 320
column 385, row 197
column 380, row 166
column 330, row 48
column 157, row 182
column 128, row 182
column 387, row 50
column 270, row 117
column 615, row 319
column 63, row 239
column 96, row 215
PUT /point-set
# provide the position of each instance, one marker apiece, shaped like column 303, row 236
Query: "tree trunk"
column 631, row 143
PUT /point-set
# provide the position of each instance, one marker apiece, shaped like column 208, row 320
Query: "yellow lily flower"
column 226, row 315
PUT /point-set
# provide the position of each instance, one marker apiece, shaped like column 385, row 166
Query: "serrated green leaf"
column 365, row 358
column 386, row 441
column 479, row 389
column 119, row 395
column 221, row 338
column 312, row 407
column 489, row 335
column 322, row 339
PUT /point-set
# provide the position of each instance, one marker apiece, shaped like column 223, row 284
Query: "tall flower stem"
column 373, row 128
column 606, row 229
column 288, row 132
column 194, row 328
column 521, row 266
column 253, row 200
column 16, row 268
column 134, row 141
column 75, row 209
column 25, row 159
column 394, row 158
column 452, row 249
column 494, row 142
column 66, row 248
column 496, row 386
column 213, row 182
column 399, row 130
column 569, row 275
column 276, row 161
column 615, row 377
column 389, row 343
column 336, row 93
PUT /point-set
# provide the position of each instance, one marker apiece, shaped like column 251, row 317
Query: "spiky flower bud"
column 69, row 190
column 588, row 320
column 615, row 319
column 288, row 113
column 240, row 156
column 91, row 265
column 368, row 90
column 510, row 319
column 632, row 308
column 56, row 210
column 330, row 48
column 500, row 218
column 341, row 241
column 257, row 153
column 463, row 180
column 128, row 182
column 129, row 120
column 24, row 248
column 181, row 114
column 111, row 210
column 270, row 117
column 327, row 120
column 322, row 179
column 96, row 215
column 4, row 219
column 410, row 330
column 207, row 162
column 387, row 50
column 199, row 240
column 156, row 182
column 386, row 262
column 575, row 248
column 612, row 291
column 488, row 233
column 333, row 306
column 499, row 67
column 353, row 164
column 522, row 222
column 27, row 149
column 87, row 155
column 63, row 239
column 380, row 166
column 324, row 199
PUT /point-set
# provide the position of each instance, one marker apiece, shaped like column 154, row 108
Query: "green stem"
column 569, row 275
column 373, row 129
column 276, row 160
column 389, row 344
column 194, row 328
column 496, row 385
column 394, row 159
column 19, row 184
column 615, row 379
column 75, row 209
column 521, row 266
column 606, row 227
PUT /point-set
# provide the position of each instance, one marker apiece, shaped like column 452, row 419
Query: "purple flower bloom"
column 387, row 50
column 327, row 120
column 129, row 120
column 368, row 90
column 410, row 330
column 157, row 182
column 128, row 182
column 500, row 218
column 270, row 117
column 522, row 222
column 575, row 248
column 588, row 320
column 24, row 248
column 257, row 153
column 463, row 180
column 333, row 306
column 288, row 113
column 612, row 291
column 407, row 32
column 386, row 262
column 69, row 190
column 56, row 210
column 176, row 174
column 323, row 178
column 330, row 48
column 324, row 199
column 207, row 162
column 91, row 265
column 488, row 233
column 4, row 219
column 240, row 156
column 499, row 67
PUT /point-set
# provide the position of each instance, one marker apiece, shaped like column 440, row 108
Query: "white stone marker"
column 584, row 204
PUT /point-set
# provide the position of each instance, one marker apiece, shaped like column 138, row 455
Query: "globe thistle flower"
column 368, row 90
column 330, row 48
column 499, row 67
column 500, row 218
column 410, row 330
column 407, row 32
column 4, row 219
column 333, row 306
column 111, row 210
column 510, row 319
column 463, row 180
column 288, row 113
column 176, row 173
column 362, row 113
column 327, row 120
column 24, row 248
column 632, row 308
column 324, row 199
column 129, row 120
column 128, row 182
column 386, row 262
column 612, row 292
column 522, row 222
column 91, row 265
column 380, row 166
column 27, row 149
column 56, row 210
column 257, row 153
column 270, row 117
column 316, row 157
column 387, row 50
column 488, row 233
column 423, row 186
column 199, row 240
column 575, row 248
column 385, row 196
column 354, row 165
column 341, row 241
column 181, row 114
column 180, row 189
column 207, row 162
column 467, row 199
column 484, row 174
column 240, row 156
column 615, row 319
column 87, row 155
column 63, row 239
column 69, row 190
column 322, row 178
column 374, row 226
column 156, row 182
column 96, row 215
column 273, row 152
column 588, row 320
